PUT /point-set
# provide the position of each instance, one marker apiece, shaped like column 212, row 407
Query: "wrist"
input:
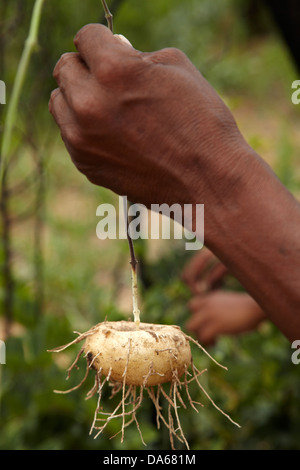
column 234, row 194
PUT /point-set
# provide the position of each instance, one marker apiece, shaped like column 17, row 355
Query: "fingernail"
column 123, row 39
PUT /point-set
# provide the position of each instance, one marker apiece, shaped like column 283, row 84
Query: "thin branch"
column 133, row 262
column 30, row 45
column 108, row 15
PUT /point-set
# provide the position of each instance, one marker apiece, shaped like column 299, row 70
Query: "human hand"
column 204, row 272
column 145, row 125
column 149, row 126
column 223, row 313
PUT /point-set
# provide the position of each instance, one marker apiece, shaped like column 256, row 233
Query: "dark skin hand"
column 149, row 126
column 204, row 272
column 222, row 313
column 215, row 312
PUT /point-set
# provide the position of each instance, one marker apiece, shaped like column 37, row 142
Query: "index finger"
column 91, row 41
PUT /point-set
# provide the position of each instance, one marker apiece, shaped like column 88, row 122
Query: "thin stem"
column 30, row 45
column 136, row 311
column 108, row 15
column 133, row 262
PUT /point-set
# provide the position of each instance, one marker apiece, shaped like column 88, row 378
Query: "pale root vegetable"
column 148, row 356
column 133, row 358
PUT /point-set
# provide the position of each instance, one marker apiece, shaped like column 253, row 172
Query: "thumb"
column 123, row 39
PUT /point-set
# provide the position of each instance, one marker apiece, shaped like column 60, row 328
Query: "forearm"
column 150, row 126
column 255, row 231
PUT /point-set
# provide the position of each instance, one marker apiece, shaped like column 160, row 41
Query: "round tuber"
column 133, row 359
column 147, row 356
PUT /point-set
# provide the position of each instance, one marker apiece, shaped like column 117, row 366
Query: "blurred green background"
column 56, row 276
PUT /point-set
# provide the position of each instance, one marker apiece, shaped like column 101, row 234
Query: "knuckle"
column 87, row 31
column 53, row 94
column 81, row 33
column 72, row 137
column 81, row 105
column 51, row 103
column 88, row 110
column 64, row 59
column 115, row 71
column 175, row 55
column 168, row 55
column 107, row 69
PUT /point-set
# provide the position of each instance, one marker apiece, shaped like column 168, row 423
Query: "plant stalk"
column 108, row 15
column 30, row 46
column 133, row 262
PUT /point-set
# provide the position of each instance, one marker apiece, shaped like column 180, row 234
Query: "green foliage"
column 86, row 280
